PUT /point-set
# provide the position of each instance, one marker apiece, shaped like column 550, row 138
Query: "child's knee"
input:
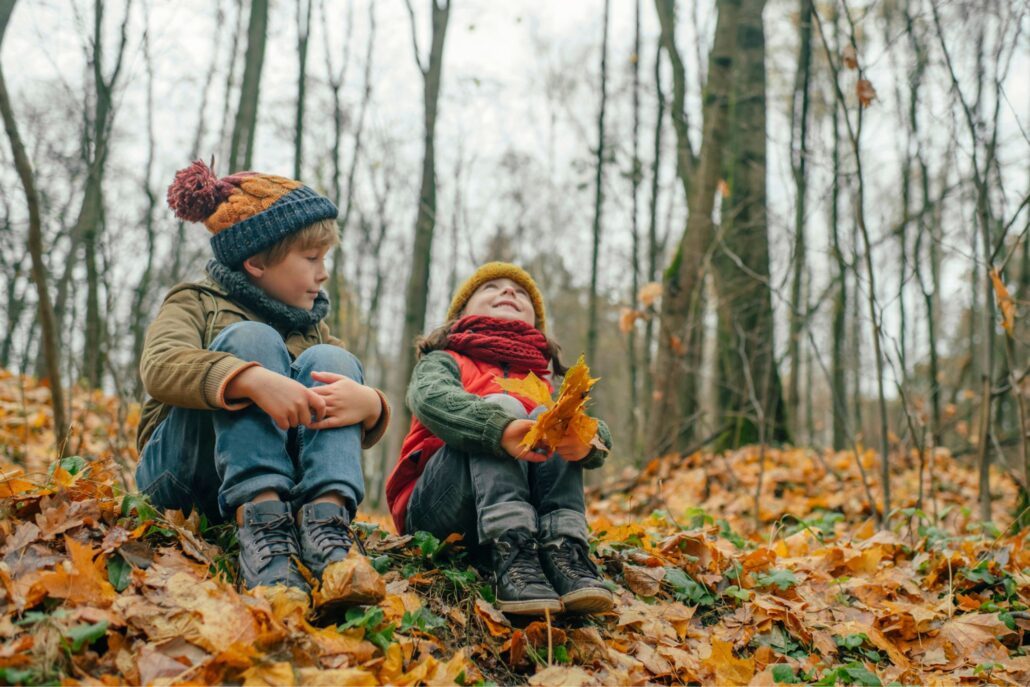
column 509, row 403
column 251, row 341
column 329, row 358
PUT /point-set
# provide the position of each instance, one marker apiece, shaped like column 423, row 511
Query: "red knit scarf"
column 514, row 343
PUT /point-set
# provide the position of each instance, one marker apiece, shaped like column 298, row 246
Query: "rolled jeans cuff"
column 563, row 522
column 243, row 492
column 496, row 519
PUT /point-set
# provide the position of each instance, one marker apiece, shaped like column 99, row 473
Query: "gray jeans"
column 482, row 495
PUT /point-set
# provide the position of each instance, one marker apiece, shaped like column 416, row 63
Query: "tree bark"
column 417, row 292
column 634, row 381
column 303, row 31
column 675, row 403
column 652, row 225
column 241, row 150
column 591, row 344
column 799, row 146
column 741, row 256
column 23, row 166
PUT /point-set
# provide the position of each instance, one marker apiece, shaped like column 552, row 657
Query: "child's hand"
column 288, row 402
column 347, row 402
column 571, row 448
column 511, row 442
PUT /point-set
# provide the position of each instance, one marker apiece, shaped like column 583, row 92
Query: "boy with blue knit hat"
column 255, row 411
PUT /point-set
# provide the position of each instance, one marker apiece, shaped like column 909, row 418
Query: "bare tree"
column 417, row 291
column 303, row 31
column 799, row 163
column 591, row 347
column 23, row 165
column 675, row 403
column 241, row 149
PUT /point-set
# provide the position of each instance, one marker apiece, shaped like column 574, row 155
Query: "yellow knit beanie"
column 499, row 270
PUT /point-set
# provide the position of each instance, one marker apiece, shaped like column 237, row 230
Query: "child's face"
column 294, row 281
column 501, row 298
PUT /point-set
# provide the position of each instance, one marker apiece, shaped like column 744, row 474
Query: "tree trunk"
column 23, row 166
column 140, row 300
column 417, row 292
column 838, row 327
column 799, row 135
column 591, row 346
column 634, row 376
column 652, row 225
column 747, row 364
column 303, row 31
column 675, row 401
column 241, row 149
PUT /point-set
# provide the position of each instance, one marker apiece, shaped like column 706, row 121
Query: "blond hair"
column 319, row 235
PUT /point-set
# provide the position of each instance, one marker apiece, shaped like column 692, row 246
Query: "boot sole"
column 589, row 600
column 531, row 607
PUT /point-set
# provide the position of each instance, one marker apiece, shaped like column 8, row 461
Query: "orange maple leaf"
column 82, row 579
column 1005, row 304
column 567, row 414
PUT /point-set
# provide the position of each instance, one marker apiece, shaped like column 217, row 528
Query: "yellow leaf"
column 351, row 581
column 729, row 670
column 531, row 387
column 270, row 674
column 1005, row 304
column 568, row 412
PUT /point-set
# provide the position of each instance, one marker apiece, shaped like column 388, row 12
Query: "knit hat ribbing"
column 246, row 212
column 499, row 270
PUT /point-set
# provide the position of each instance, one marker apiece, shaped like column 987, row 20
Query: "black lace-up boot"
column 268, row 547
column 566, row 561
column 522, row 587
column 325, row 535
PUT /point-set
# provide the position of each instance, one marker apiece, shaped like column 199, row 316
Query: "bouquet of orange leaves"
column 564, row 415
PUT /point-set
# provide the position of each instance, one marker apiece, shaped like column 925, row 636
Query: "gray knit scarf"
column 240, row 288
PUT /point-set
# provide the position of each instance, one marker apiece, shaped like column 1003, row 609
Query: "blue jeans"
column 482, row 495
column 217, row 460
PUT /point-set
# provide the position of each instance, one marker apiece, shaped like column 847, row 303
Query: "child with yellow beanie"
column 255, row 411
column 462, row 468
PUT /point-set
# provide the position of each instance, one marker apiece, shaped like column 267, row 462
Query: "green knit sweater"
column 463, row 420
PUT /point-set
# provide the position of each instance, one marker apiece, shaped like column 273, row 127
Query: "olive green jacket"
column 178, row 369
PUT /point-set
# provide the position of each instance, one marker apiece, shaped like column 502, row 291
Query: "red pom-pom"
column 196, row 192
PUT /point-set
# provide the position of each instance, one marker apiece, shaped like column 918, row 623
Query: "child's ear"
column 254, row 266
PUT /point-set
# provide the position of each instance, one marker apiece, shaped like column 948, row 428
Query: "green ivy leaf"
column 84, row 635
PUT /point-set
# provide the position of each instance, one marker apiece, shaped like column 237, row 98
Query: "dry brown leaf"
column 562, row 676
column 649, row 293
column 865, row 92
column 1005, row 303
column 352, row 581
column 849, row 57
column 627, row 317
column 495, row 621
column 643, row 581
column 337, row 677
column 269, row 675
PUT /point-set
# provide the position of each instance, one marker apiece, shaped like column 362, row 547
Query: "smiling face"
column 295, row 280
column 501, row 298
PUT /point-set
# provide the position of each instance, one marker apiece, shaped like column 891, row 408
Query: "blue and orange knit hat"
column 246, row 212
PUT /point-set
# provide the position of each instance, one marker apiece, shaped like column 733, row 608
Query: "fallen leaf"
column 728, row 669
column 352, row 581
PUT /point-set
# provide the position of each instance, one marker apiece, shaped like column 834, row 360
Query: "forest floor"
column 98, row 587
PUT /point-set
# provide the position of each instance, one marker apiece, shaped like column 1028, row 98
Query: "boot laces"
column 330, row 532
column 571, row 558
column 521, row 561
column 275, row 538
